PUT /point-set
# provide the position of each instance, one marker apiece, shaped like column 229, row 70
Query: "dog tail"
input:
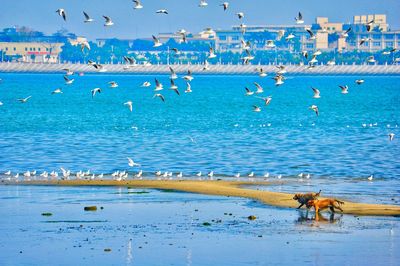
column 339, row 202
column 319, row 193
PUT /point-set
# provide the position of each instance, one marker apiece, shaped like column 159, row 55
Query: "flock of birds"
column 279, row 79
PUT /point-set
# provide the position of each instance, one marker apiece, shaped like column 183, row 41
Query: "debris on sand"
column 206, row 224
column 47, row 214
column 252, row 217
column 90, row 208
column 107, row 250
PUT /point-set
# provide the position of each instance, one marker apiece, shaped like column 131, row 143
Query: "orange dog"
column 332, row 204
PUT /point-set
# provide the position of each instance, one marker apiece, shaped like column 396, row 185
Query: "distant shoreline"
column 198, row 69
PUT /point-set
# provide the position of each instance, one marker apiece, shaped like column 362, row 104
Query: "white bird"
column 188, row 76
column 158, row 173
column 159, row 96
column 267, row 100
column 173, row 73
column 87, row 17
column 206, row 66
column 359, row 81
column 315, row 109
column 345, row 33
column 1, row 103
column 156, row 41
column 108, row 21
column 248, row 92
column 68, row 72
column 211, row 174
column 174, row 87
column 279, row 176
column 68, row 81
column 7, row 173
column 240, row 15
column 266, row 175
column 159, row 85
column 371, row 59
column 180, row 175
column 299, row 19
column 256, row 109
column 312, row 35
column 391, row 136
column 27, row 174
column 94, row 91
column 129, row 104
column 212, row 53
column 146, row 84
column 261, row 72
column 290, row 37
column 371, row 177
column 300, row 175
column 162, row 11
column 138, row 4
column 139, row 175
column 251, row 174
column 131, row 163
column 61, row 12
column 44, row 174
column 237, row 175
column 24, row 100
column 270, row 44
column 188, row 88
column 259, row 88
column 345, row 89
column 57, row 91
column 278, row 80
column 203, row 3
column 16, row 176
column 308, row 176
column 317, row 93
column 225, row 5
column 113, row 84
column 199, row 174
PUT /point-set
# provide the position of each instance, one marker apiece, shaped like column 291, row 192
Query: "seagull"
column 158, row 173
column 211, row 174
column 87, row 18
column 282, row 70
column 188, row 88
column 108, row 22
column 279, row 176
column 245, row 45
column 225, row 5
column 308, row 176
column 237, row 175
column 304, row 54
column 57, row 91
column 1, row 103
column 61, row 13
column 160, row 96
column 359, row 81
column 24, row 100
column 240, row 15
column 173, row 74
column 7, row 173
column 177, row 52
column 138, row 4
column 315, row 109
column 94, row 91
column 188, row 76
column 180, row 175
column 131, row 163
column 256, row 109
column 68, row 81
column 278, row 80
column 364, row 40
column 162, row 11
column 146, row 84
column 316, row 93
column 391, row 136
column 206, row 66
column 159, row 86
column 371, row 59
column 270, row 44
column 199, row 174
column 281, row 33
column 251, row 174
column 113, row 84
column 299, row 19
column 248, row 92
column 289, row 37
column 156, row 41
column 312, row 35
column 68, row 72
column 369, row 25
column 259, row 88
column 266, row 175
column 203, row 3
column 212, row 53
column 261, row 72
column 174, row 87
column 345, row 89
column 318, row 52
column 129, row 104
column 267, row 100
column 371, row 177
column 331, row 63
column 345, row 34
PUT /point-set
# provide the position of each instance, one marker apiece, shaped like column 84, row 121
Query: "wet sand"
column 226, row 188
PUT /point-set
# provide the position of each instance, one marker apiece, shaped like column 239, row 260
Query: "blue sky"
column 129, row 23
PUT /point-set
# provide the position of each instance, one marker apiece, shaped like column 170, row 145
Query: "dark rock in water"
column 47, row 214
column 107, row 250
column 90, row 208
column 101, row 208
column 251, row 217
column 206, row 224
column 259, row 235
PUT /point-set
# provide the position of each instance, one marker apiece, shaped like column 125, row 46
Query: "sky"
column 130, row 24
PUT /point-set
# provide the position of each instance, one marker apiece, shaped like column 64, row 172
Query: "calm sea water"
column 214, row 128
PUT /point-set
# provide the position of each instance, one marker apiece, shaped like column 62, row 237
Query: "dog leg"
column 301, row 205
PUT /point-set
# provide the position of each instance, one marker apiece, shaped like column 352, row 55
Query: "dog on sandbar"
column 304, row 198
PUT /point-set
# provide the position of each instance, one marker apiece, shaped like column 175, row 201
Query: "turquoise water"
column 214, row 128
column 160, row 228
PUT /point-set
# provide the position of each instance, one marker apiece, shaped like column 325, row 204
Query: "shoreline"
column 8, row 67
column 223, row 188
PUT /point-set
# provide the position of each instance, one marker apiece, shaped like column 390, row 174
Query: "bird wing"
column 86, row 15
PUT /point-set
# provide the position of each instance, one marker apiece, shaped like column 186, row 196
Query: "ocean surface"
column 152, row 227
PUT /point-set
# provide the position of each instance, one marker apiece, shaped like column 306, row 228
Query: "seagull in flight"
column 88, row 19
column 256, row 109
column 203, row 3
column 57, row 91
column 261, row 72
column 359, row 81
column 61, row 12
column 131, row 163
column 188, row 76
column 259, row 88
column 225, row 5
column 146, row 84
column 173, row 73
column 212, row 53
column 267, row 100
column 391, row 136
column 345, row 89
column 113, row 84
column 315, row 109
column 188, row 87
column 24, row 100
column 160, row 96
column 248, row 92
column 174, row 87
column 316, row 93
column 68, row 81
column 299, row 19
column 129, row 104
column 345, row 34
column 159, row 86
column 162, row 11
column 138, row 4
column 240, row 15
column 108, row 22
column 94, row 91
column 312, row 35
column 157, row 42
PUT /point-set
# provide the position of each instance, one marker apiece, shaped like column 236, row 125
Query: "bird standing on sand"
column 61, row 12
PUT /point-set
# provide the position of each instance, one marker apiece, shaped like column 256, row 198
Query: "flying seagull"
column 57, row 91
column 138, row 4
column 240, row 15
column 159, row 85
column 315, row 109
column 24, row 100
column 359, row 81
column 68, row 81
column 94, row 91
column 173, row 73
column 256, row 109
column 146, row 84
column 129, row 104
column 225, row 5
column 174, row 87
column 113, row 84
column 160, row 96
column 299, row 19
column 188, row 87
column 259, row 88
column 391, row 136
column 131, row 163
column 248, row 92
column 87, row 17
column 156, row 41
column 188, row 76
column 267, row 100
column 108, row 22
column 316, row 93
column 345, row 89
column 203, row 3
column 61, row 13
column 162, row 11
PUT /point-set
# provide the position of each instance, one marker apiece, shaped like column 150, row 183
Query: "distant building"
column 31, row 52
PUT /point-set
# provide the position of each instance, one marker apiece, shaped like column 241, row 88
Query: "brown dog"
column 304, row 198
column 318, row 205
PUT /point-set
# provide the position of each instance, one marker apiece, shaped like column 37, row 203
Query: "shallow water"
column 166, row 228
